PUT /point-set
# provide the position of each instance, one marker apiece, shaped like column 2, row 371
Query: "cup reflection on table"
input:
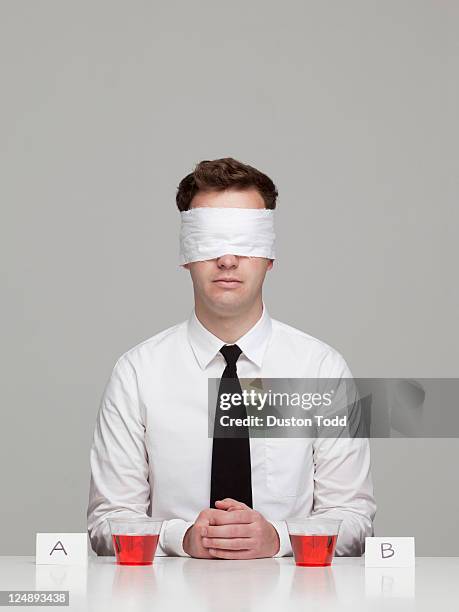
column 313, row 540
column 135, row 539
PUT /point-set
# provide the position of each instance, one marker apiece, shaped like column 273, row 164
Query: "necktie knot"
column 231, row 353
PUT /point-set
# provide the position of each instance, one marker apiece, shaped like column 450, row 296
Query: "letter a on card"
column 61, row 548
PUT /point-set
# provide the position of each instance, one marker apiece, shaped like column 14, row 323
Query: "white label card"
column 389, row 552
column 61, row 548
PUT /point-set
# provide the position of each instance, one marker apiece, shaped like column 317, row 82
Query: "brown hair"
column 221, row 174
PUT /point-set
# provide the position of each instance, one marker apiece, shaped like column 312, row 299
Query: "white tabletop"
column 184, row 584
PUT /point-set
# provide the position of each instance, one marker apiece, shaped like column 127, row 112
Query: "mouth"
column 228, row 282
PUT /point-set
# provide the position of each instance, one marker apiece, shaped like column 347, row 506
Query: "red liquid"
column 135, row 549
column 313, row 550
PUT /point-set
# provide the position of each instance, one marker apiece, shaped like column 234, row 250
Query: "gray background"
column 351, row 107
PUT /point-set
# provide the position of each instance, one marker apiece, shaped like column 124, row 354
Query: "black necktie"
column 231, row 468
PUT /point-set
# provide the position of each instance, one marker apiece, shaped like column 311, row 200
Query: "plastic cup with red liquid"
column 135, row 539
column 313, row 540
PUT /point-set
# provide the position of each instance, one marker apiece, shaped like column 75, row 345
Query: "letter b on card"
column 389, row 552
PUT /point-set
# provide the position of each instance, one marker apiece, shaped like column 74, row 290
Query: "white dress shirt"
column 151, row 454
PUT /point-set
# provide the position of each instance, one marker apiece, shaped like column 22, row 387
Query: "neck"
column 229, row 327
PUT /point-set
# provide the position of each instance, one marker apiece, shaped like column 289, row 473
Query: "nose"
column 228, row 261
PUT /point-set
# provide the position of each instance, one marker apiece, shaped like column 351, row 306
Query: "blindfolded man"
column 152, row 455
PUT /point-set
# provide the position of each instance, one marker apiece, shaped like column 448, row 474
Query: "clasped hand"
column 232, row 530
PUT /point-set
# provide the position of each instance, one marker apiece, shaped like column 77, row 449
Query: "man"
column 151, row 454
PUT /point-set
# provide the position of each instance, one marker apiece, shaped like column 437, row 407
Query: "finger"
column 229, row 507
column 234, row 507
column 219, row 553
column 229, row 543
column 201, row 524
column 214, row 516
column 229, row 531
column 229, row 502
column 236, row 516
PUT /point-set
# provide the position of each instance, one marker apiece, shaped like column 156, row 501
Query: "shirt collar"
column 206, row 345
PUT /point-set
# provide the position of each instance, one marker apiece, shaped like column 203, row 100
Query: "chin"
column 226, row 300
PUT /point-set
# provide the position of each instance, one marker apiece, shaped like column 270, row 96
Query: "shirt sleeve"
column 343, row 487
column 119, row 470
column 285, row 548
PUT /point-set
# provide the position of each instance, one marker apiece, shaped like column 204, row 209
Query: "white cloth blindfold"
column 207, row 233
